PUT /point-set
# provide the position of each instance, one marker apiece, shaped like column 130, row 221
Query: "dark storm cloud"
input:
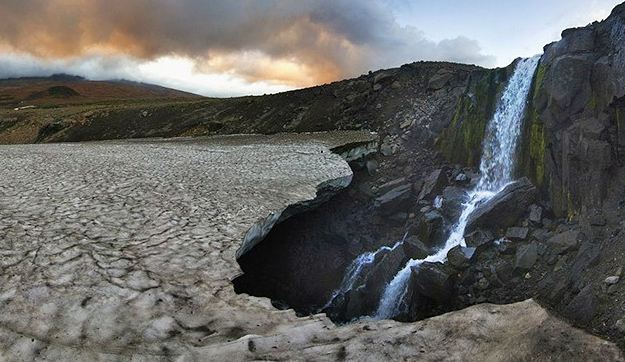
column 329, row 39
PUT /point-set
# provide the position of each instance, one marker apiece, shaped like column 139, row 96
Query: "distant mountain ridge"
column 66, row 89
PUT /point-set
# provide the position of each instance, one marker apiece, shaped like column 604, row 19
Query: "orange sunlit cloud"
column 294, row 44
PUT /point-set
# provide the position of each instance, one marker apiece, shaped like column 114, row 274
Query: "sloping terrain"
column 424, row 89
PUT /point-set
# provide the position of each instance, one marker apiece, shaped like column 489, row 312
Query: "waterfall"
column 497, row 167
column 354, row 271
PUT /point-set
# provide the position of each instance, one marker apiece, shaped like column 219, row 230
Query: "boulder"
column 414, row 248
column 516, row 233
column 460, row 257
column 386, row 187
column 505, row 208
column 588, row 255
column 613, row 279
column 526, row 257
column 433, row 185
column 432, row 229
column 478, row 238
column 554, row 290
column 566, row 241
column 583, row 307
column 462, row 179
column 453, row 198
column 435, row 281
column 396, row 200
column 536, row 214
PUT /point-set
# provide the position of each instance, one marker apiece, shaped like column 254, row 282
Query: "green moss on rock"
column 461, row 142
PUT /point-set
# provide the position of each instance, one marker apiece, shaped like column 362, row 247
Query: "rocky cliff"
column 574, row 138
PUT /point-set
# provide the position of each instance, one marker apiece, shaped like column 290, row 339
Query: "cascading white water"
column 354, row 271
column 497, row 167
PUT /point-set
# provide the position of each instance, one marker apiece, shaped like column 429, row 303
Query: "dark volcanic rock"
column 588, row 255
column 536, row 214
column 517, row 233
column 570, row 144
column 460, row 257
column 395, row 200
column 414, row 248
column 453, row 197
column 400, row 182
column 435, row 281
column 566, row 241
column 432, row 229
column 478, row 238
column 526, row 257
column 504, row 209
column 583, row 307
column 434, row 185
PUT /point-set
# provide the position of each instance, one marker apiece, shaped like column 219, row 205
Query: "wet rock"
column 453, row 197
column 582, row 308
column 435, row 281
column 364, row 298
column 566, row 241
column 517, row 233
column 504, row 209
column 415, row 249
column 433, row 185
column 526, row 257
column 460, row 257
column 505, row 247
column 620, row 326
column 431, row 229
column 462, row 179
column 395, row 200
column 478, row 238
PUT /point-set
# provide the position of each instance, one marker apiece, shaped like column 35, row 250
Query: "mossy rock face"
column 461, row 142
column 533, row 147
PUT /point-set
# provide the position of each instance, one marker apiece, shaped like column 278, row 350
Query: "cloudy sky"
column 236, row 47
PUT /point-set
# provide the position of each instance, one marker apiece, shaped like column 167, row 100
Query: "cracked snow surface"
column 117, row 244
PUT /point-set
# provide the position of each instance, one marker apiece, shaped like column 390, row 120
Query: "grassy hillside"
column 63, row 90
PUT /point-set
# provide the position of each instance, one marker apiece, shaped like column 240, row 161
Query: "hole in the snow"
column 330, row 260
